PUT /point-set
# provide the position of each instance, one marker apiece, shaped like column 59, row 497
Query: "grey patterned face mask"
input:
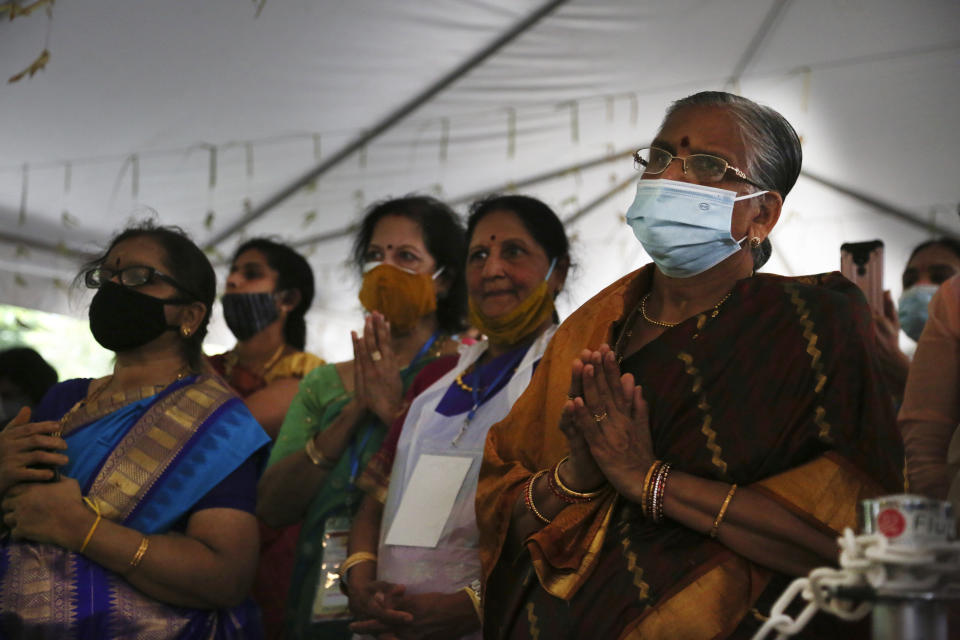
column 247, row 314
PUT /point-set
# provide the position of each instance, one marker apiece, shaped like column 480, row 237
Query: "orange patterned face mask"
column 402, row 296
column 517, row 324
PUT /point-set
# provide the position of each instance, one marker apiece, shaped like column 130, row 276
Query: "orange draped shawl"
column 789, row 358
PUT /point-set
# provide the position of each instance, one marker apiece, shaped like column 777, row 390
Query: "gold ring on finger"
column 600, row 417
column 376, row 356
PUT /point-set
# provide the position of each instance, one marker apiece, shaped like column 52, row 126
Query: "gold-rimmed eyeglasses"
column 703, row 167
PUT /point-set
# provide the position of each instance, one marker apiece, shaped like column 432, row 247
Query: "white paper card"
column 428, row 500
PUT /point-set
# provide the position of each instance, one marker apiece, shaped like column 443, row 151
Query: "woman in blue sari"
column 128, row 500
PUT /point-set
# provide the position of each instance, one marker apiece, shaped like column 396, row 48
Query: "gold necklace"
column 233, row 357
column 463, row 385
column 96, row 394
column 82, row 403
column 627, row 331
column 659, row 323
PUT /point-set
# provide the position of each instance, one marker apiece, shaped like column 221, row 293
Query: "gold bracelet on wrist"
column 353, row 560
column 93, row 506
column 316, row 456
column 141, row 551
column 723, row 511
column 576, row 495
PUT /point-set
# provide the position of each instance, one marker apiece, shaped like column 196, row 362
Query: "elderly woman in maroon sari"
column 696, row 434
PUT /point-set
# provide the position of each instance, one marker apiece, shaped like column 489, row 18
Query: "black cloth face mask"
column 247, row 314
column 122, row 319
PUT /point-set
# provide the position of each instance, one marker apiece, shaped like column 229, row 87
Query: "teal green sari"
column 319, row 401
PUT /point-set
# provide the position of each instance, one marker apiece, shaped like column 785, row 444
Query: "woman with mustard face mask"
column 414, row 566
column 409, row 252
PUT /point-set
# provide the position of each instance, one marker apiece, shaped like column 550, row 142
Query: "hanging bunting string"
column 135, row 177
column 511, row 132
column 24, row 187
column 444, row 139
column 212, row 168
column 574, row 107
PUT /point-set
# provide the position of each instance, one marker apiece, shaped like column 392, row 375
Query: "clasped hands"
column 385, row 611
column 378, row 387
column 34, row 508
column 606, row 422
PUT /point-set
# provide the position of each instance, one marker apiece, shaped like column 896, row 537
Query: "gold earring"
column 755, row 242
column 185, row 331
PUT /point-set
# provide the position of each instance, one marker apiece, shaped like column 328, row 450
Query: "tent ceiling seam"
column 763, row 32
column 881, row 206
column 389, row 122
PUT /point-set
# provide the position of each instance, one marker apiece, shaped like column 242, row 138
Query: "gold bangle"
column 529, row 498
column 90, row 503
column 316, row 456
column 723, row 511
column 579, row 495
column 355, row 559
column 141, row 551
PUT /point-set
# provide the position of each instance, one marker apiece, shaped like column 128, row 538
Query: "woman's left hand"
column 379, row 368
column 614, row 419
column 50, row 512
column 894, row 364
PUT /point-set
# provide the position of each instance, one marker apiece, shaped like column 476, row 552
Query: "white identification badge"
column 428, row 500
column 330, row 603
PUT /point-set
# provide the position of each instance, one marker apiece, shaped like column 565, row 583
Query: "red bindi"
column 685, row 141
column 492, row 238
column 389, row 246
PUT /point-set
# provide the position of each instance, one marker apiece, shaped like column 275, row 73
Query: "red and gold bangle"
column 528, row 498
column 645, row 492
column 662, row 476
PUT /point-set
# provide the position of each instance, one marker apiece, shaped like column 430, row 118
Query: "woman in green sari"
column 410, row 252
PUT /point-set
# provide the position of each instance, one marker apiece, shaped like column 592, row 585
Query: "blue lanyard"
column 475, row 388
column 423, row 350
column 355, row 451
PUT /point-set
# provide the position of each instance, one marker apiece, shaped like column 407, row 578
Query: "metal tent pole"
column 388, row 122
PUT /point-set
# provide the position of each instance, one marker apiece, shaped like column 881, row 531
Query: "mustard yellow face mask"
column 403, row 297
column 515, row 325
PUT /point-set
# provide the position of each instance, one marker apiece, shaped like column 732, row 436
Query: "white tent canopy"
column 206, row 112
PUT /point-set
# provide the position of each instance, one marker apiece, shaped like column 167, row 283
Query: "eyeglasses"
column 702, row 167
column 129, row 277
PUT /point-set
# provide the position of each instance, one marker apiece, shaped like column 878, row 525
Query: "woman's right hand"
column 580, row 468
column 24, row 444
column 377, row 380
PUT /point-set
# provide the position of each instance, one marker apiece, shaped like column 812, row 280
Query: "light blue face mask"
column 684, row 227
column 912, row 308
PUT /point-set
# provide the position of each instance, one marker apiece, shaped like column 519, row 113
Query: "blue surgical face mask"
column 684, row 227
column 912, row 308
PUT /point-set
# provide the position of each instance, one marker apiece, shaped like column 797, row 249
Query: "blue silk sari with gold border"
column 146, row 458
